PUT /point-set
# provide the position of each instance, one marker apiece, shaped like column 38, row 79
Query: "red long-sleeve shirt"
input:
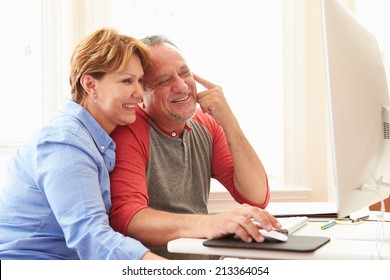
column 156, row 169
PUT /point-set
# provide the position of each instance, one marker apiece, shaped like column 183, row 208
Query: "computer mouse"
column 273, row 236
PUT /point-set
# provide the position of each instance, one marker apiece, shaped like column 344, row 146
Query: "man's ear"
column 89, row 84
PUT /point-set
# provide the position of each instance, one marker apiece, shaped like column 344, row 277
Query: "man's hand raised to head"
column 213, row 102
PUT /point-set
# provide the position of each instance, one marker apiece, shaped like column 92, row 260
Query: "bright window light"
column 240, row 51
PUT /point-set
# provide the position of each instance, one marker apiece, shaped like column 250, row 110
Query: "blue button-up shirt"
column 56, row 198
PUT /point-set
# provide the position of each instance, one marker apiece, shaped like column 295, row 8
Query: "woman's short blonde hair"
column 102, row 52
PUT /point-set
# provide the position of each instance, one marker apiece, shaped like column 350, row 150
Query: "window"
column 252, row 79
column 236, row 44
column 374, row 15
column 21, row 87
column 21, row 84
column 275, row 84
column 36, row 38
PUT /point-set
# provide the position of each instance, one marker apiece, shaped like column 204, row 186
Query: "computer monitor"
column 357, row 91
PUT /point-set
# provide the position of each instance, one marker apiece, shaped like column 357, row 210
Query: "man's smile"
column 181, row 100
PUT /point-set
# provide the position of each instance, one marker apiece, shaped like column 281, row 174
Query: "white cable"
column 380, row 231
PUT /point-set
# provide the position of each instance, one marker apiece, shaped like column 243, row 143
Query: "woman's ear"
column 88, row 83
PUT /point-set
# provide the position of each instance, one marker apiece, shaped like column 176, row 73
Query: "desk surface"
column 347, row 242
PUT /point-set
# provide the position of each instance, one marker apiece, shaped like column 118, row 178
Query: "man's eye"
column 163, row 82
column 185, row 72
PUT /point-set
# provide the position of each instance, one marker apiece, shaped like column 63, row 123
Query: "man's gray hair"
column 156, row 40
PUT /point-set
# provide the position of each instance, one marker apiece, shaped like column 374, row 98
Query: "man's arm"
column 250, row 178
column 155, row 228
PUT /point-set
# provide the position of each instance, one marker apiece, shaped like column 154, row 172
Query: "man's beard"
column 182, row 117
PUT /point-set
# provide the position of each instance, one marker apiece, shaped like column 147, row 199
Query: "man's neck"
column 172, row 128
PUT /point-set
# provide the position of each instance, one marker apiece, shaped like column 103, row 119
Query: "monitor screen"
column 357, row 91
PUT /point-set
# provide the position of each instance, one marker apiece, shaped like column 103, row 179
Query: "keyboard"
column 292, row 224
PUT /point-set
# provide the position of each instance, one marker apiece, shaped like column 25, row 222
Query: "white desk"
column 347, row 242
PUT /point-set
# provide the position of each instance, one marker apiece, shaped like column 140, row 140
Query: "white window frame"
column 66, row 22
column 57, row 16
column 296, row 186
column 307, row 169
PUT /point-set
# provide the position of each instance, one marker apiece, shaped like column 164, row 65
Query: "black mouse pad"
column 296, row 243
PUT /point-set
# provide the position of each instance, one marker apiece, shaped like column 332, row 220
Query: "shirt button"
column 102, row 147
column 173, row 134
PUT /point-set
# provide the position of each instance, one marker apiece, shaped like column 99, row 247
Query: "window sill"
column 220, row 201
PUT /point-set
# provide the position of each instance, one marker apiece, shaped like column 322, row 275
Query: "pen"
column 328, row 224
column 360, row 219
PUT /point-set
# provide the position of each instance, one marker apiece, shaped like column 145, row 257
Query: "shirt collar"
column 99, row 135
column 172, row 133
